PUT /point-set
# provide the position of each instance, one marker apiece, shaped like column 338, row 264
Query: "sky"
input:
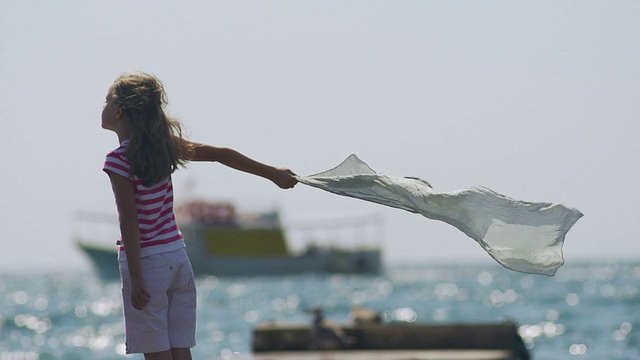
column 535, row 100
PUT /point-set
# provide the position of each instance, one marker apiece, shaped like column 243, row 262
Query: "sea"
column 588, row 310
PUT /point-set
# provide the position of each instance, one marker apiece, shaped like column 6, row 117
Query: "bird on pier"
column 326, row 335
column 362, row 316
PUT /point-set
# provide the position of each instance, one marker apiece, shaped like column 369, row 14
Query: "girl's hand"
column 139, row 295
column 284, row 178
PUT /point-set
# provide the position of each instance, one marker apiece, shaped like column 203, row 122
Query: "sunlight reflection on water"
column 586, row 310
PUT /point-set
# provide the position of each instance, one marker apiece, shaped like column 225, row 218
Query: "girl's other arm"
column 125, row 194
column 282, row 177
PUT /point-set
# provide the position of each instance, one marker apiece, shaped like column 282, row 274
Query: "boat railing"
column 345, row 231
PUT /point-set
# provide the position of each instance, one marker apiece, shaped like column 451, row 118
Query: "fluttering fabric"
column 520, row 235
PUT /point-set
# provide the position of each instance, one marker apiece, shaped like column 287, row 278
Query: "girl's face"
column 111, row 113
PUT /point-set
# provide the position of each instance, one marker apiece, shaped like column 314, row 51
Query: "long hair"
column 156, row 146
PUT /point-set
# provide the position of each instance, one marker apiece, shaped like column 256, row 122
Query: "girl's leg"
column 162, row 355
column 181, row 353
column 173, row 354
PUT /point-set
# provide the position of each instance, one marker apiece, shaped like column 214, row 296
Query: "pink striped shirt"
column 159, row 230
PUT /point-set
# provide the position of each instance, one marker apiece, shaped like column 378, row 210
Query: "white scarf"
column 520, row 235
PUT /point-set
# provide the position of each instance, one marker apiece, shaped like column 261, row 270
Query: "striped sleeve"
column 116, row 162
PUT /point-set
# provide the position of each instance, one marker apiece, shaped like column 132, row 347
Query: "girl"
column 159, row 294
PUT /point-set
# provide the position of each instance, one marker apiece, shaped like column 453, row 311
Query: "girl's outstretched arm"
column 124, row 191
column 282, row 177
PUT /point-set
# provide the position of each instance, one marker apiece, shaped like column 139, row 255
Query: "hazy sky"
column 537, row 100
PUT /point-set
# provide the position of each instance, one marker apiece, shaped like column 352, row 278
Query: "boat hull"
column 329, row 260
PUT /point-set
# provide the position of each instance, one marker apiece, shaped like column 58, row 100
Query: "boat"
column 224, row 242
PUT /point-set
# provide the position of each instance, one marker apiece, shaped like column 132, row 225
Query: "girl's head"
column 142, row 97
column 156, row 145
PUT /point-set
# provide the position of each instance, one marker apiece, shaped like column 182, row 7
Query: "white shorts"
column 169, row 319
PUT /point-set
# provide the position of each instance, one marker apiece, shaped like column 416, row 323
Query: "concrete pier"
column 387, row 355
column 483, row 341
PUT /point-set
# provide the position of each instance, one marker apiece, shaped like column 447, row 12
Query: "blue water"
column 587, row 311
